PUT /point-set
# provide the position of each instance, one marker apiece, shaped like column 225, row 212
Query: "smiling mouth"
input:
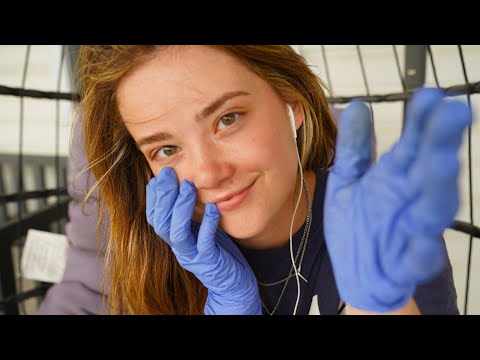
column 231, row 202
column 234, row 201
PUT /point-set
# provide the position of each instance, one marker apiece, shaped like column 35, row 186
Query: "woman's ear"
column 297, row 112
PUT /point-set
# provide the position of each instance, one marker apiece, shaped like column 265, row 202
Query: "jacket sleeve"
column 439, row 295
column 80, row 290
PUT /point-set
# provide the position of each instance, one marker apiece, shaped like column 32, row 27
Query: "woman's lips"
column 235, row 200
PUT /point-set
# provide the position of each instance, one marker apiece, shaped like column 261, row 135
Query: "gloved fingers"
column 434, row 176
column 166, row 192
column 208, row 228
column 422, row 259
column 354, row 144
column 438, row 199
column 420, row 107
column 446, row 127
column 182, row 240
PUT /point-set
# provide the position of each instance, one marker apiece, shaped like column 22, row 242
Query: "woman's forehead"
column 191, row 75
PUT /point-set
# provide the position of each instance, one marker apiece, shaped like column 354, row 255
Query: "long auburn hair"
column 144, row 275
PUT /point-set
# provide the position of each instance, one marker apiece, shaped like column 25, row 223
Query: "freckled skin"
column 166, row 93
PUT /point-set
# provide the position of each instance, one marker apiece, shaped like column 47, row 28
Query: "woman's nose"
column 210, row 166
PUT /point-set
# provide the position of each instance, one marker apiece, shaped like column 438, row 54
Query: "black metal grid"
column 14, row 229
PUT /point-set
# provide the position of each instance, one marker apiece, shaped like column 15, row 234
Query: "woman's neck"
column 277, row 233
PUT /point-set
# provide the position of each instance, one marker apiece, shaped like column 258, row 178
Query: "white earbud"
column 292, row 121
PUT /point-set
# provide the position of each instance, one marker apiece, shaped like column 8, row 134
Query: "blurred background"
column 37, row 109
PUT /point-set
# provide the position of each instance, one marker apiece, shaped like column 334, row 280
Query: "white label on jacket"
column 44, row 256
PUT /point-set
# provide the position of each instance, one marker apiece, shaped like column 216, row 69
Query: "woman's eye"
column 167, row 151
column 228, row 120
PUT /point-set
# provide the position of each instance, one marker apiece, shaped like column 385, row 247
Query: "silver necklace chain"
column 301, row 249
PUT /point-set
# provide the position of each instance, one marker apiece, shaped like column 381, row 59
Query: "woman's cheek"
column 198, row 214
column 155, row 168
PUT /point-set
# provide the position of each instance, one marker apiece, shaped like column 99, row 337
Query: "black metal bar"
column 470, row 181
column 38, row 183
column 29, row 159
column 415, row 63
column 57, row 134
column 466, row 228
column 327, row 70
column 7, row 274
column 397, row 62
column 7, row 90
column 415, row 60
column 18, row 186
column 71, row 57
column 3, row 206
column 35, row 220
column 456, row 90
column 39, row 164
column 472, row 88
column 36, row 194
column 365, row 83
column 432, row 64
column 17, row 298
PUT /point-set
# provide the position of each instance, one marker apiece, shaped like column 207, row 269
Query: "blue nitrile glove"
column 383, row 222
column 211, row 256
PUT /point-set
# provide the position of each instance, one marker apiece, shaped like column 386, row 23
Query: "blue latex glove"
column 383, row 222
column 211, row 256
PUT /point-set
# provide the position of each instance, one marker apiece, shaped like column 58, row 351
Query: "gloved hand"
column 212, row 256
column 383, row 222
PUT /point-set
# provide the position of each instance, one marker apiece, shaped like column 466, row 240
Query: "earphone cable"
column 291, row 231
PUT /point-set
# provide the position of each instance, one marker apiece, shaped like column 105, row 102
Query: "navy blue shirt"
column 435, row 297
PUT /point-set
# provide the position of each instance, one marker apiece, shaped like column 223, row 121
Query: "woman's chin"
column 238, row 229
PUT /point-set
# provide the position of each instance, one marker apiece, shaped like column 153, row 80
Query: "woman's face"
column 216, row 123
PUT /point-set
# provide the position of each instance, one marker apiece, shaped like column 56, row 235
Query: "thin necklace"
column 301, row 249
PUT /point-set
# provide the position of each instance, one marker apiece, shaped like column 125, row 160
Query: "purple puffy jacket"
column 80, row 291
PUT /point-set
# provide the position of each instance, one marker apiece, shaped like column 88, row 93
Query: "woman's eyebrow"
column 214, row 105
column 207, row 111
column 157, row 137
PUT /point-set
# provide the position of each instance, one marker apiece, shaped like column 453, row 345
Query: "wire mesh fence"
column 38, row 104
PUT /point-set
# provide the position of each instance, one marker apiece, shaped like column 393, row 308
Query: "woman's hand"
column 383, row 222
column 211, row 256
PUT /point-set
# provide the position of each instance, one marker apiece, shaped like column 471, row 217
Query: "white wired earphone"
column 291, row 116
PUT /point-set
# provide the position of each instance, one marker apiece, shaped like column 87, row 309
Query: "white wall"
column 346, row 80
column 39, row 114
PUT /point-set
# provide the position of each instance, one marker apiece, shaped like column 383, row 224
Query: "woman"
column 214, row 134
